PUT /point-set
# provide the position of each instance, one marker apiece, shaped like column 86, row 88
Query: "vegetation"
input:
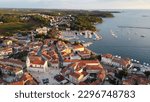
column 8, row 18
column 147, row 73
column 15, row 20
column 40, row 20
column 20, row 55
column 1, row 73
column 10, row 28
column 122, row 73
column 85, row 23
column 13, row 23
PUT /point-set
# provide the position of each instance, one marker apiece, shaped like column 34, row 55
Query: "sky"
column 76, row 4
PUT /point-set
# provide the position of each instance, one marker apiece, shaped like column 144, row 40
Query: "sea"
column 132, row 28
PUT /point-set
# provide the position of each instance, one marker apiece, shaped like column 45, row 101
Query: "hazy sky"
column 77, row 4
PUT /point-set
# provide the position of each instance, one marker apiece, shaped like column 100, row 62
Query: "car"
column 45, row 81
column 64, row 82
column 59, row 78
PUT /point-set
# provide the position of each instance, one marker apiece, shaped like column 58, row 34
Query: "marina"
column 81, row 36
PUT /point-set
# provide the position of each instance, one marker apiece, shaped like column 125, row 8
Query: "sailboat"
column 113, row 34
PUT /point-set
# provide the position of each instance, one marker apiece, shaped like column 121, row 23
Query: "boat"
column 142, row 36
column 97, row 37
column 113, row 34
column 87, row 44
column 90, row 35
column 82, row 41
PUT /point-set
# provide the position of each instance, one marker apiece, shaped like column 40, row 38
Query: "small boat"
column 82, row 41
column 142, row 36
column 113, row 34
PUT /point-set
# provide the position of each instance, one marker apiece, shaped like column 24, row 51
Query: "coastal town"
column 55, row 55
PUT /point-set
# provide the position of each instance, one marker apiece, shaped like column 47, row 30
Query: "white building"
column 36, row 63
column 43, row 30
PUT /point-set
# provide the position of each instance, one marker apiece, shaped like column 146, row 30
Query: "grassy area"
column 14, row 27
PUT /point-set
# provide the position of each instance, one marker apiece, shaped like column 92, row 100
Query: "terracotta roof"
column 121, row 61
column 82, row 83
column 75, row 75
column 78, row 46
column 46, row 55
column 107, row 56
column 14, row 61
column 75, row 60
column 26, row 76
column 36, row 60
column 17, row 83
column 12, row 69
column 93, row 67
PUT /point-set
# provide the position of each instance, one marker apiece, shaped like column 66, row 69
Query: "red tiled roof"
column 17, row 83
column 107, row 56
column 93, row 67
column 14, row 61
column 76, row 75
column 26, row 77
column 77, row 46
column 36, row 60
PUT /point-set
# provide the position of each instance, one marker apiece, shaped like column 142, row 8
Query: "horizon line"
column 74, row 8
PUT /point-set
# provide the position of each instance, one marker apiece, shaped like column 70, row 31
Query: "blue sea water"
column 129, row 42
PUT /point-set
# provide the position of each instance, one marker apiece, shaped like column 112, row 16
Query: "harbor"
column 78, row 35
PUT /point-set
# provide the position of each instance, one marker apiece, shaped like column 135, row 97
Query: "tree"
column 121, row 74
column 99, row 57
column 0, row 73
column 147, row 73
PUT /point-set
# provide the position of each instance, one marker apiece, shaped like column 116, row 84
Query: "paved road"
column 60, row 56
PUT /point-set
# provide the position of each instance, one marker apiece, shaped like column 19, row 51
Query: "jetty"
column 87, row 44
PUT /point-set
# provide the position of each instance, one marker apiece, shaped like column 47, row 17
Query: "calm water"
column 129, row 42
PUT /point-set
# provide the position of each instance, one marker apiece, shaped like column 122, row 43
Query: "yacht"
column 113, row 34
column 142, row 36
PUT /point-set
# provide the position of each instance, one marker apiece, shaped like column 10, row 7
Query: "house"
column 121, row 62
column 13, row 62
column 35, row 45
column 11, row 74
column 4, row 52
column 63, row 48
column 68, row 61
column 36, row 63
column 26, row 79
column 7, row 42
column 79, row 71
column 71, row 56
column 23, row 39
column 76, row 77
column 78, row 48
column 52, row 58
column 84, row 54
column 107, row 59
column 1, row 22
column 115, row 61
column 136, row 79
column 43, row 30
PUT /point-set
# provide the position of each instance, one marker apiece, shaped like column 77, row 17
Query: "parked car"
column 59, row 78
